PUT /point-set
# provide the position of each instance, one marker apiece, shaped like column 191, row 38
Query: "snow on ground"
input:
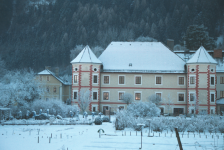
column 86, row 137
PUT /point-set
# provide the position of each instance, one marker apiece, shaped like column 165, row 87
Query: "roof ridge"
column 89, row 53
column 82, row 54
column 58, row 78
column 206, row 54
column 199, row 54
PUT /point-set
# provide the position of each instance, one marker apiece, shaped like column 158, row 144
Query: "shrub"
column 143, row 109
column 221, row 127
column 98, row 121
column 191, row 128
column 56, row 107
column 106, row 119
column 42, row 116
column 59, row 117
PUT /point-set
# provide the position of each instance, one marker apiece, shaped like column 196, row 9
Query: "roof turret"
column 86, row 56
column 201, row 56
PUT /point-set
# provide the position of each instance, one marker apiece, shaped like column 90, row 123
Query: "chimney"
column 170, row 44
column 57, row 71
column 217, row 53
column 48, row 68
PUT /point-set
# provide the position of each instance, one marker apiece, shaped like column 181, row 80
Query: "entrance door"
column 177, row 111
column 104, row 109
column 161, row 110
column 221, row 110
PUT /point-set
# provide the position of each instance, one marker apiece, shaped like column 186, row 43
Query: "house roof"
column 201, row 56
column 220, row 101
column 48, row 72
column 140, row 57
column 86, row 56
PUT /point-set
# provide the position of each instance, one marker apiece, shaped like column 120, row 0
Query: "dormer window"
column 130, row 64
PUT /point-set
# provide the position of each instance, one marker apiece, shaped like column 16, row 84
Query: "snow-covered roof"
column 48, row 72
column 140, row 57
column 201, row 56
column 4, row 108
column 220, row 65
column 220, row 101
column 86, row 56
column 44, row 72
column 184, row 56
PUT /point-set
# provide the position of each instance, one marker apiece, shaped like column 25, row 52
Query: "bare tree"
column 127, row 98
column 169, row 103
column 156, row 99
column 84, row 99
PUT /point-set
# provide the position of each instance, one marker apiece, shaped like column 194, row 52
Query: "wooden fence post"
column 178, row 139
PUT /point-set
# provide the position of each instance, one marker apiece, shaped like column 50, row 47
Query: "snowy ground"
column 86, row 137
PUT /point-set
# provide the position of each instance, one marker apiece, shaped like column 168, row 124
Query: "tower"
column 201, row 83
column 86, row 77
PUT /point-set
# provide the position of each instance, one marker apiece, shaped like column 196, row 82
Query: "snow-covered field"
column 86, row 137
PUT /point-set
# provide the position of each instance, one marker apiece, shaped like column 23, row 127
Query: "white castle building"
column 146, row 68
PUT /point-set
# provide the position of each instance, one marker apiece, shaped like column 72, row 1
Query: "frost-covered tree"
column 169, row 103
column 19, row 89
column 146, row 39
column 66, row 78
column 156, row 99
column 97, row 50
column 74, row 52
column 84, row 99
column 127, row 98
column 196, row 36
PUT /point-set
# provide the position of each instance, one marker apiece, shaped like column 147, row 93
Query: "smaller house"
column 54, row 87
column 220, row 106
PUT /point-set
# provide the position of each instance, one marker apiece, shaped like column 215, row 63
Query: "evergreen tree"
column 196, row 36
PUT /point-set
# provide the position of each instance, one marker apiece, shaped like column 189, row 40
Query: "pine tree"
column 196, row 36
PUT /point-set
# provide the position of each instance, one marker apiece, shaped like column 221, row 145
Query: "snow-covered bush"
column 180, row 123
column 59, row 117
column 98, row 121
column 106, row 119
column 191, row 128
column 221, row 127
column 134, row 114
column 159, row 124
column 143, row 109
column 42, row 116
column 210, row 128
column 199, row 125
column 56, row 107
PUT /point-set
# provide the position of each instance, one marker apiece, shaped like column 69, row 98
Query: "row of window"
column 138, row 96
column 48, row 89
column 192, row 110
column 193, row 80
column 138, row 80
column 121, row 79
column 95, row 78
column 41, row 78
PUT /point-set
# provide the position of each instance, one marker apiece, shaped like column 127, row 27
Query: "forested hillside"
column 36, row 35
